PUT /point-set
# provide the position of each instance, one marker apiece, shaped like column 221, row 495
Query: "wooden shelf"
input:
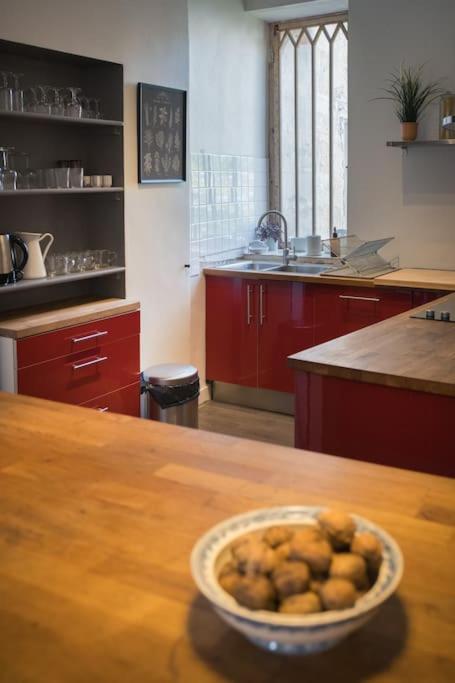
column 71, row 190
column 59, row 280
column 29, row 116
column 420, row 143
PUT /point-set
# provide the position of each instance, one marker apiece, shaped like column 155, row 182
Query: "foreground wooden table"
column 98, row 514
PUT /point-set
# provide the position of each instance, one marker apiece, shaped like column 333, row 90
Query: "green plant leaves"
column 406, row 89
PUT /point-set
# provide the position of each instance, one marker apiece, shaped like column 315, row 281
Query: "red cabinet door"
column 231, row 330
column 422, row 296
column 285, row 318
column 81, row 376
column 341, row 310
column 125, row 401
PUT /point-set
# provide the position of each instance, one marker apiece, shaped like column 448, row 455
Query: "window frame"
column 274, row 128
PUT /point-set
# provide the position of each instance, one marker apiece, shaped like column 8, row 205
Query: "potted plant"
column 411, row 96
column 270, row 233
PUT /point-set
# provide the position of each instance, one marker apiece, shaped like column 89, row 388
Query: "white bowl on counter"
column 283, row 633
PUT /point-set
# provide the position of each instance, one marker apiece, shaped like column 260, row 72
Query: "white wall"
column 150, row 37
column 228, row 104
column 411, row 196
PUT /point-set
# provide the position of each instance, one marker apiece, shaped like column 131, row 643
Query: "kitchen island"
column 385, row 393
column 98, row 515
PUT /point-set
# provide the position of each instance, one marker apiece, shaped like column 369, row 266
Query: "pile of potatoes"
column 303, row 569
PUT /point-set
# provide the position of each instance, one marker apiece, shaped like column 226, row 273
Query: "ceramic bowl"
column 282, row 633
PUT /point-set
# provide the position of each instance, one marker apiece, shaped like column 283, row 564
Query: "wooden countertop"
column 98, row 515
column 27, row 322
column 401, row 352
column 416, row 278
column 419, row 278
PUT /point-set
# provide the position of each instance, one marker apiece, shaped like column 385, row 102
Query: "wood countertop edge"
column 381, row 281
column 21, row 328
column 373, row 377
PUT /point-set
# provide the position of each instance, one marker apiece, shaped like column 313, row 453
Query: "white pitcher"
column 35, row 267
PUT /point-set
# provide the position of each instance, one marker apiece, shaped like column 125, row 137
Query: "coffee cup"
column 313, row 245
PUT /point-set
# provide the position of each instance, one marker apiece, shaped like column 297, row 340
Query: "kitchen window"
column 308, row 123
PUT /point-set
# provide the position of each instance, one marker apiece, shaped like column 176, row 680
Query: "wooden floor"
column 248, row 423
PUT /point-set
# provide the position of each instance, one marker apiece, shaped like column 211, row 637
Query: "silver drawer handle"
column 76, row 340
column 78, row 366
column 103, row 410
column 261, row 304
column 359, row 298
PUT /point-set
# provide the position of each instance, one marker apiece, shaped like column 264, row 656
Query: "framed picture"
column 161, row 130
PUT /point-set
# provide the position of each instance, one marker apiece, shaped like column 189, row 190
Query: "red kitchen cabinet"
column 341, row 310
column 386, row 425
column 285, row 319
column 125, row 401
column 81, row 363
column 231, row 330
column 252, row 326
column 420, row 297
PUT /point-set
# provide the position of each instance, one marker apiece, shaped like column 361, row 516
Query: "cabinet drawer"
column 83, row 376
column 125, row 401
column 74, row 340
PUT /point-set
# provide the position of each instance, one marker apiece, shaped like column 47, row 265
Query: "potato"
column 301, row 603
column 254, row 557
column 368, row 546
column 291, row 577
column 276, row 535
column 317, row 554
column 255, row 592
column 339, row 528
column 351, row 567
column 282, row 552
column 338, row 594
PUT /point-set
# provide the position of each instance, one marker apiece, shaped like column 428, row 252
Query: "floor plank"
column 247, row 423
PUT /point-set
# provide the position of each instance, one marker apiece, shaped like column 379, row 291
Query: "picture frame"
column 161, row 129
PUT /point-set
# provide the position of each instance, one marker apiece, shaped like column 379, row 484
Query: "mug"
column 298, row 243
column 313, row 245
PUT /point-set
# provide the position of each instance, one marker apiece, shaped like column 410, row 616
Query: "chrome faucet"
column 286, row 250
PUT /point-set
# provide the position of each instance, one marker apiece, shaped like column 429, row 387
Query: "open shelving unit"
column 79, row 218
column 421, row 143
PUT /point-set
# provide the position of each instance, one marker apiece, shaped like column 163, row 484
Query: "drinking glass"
column 73, row 262
column 88, row 260
column 18, row 93
column 31, row 100
column 76, row 176
column 87, row 111
column 62, row 179
column 6, row 93
column 73, row 106
column 43, row 105
column 56, row 264
column 9, row 179
column 50, row 181
column 108, row 258
column 96, row 108
column 57, row 102
column 20, row 162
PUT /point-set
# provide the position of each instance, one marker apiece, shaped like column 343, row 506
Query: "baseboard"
column 204, row 395
column 262, row 399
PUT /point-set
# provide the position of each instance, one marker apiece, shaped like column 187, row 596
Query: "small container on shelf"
column 447, row 110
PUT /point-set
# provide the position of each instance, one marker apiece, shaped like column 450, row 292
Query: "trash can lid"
column 170, row 374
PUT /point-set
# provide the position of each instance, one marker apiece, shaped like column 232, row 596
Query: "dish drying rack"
column 358, row 258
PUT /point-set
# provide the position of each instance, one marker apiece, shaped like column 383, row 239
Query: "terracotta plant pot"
column 409, row 131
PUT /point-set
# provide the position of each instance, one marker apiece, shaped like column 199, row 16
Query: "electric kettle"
column 35, row 267
column 11, row 264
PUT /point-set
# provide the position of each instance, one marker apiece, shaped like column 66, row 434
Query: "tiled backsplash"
column 228, row 194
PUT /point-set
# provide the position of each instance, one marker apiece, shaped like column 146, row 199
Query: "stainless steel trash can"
column 172, row 392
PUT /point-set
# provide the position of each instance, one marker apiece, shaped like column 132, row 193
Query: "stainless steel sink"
column 303, row 268
column 250, row 265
